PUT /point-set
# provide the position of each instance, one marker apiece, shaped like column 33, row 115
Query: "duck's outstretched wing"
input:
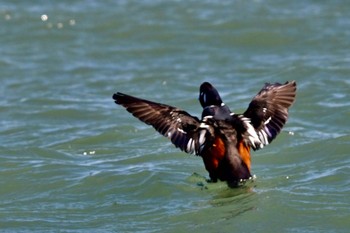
column 180, row 127
column 268, row 111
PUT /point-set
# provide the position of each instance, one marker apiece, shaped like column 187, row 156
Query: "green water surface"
column 73, row 161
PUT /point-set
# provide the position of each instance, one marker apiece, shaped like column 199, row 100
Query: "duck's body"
column 223, row 139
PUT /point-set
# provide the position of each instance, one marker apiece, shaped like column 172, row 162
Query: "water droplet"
column 59, row 25
column 44, row 17
column 72, row 22
column 7, row 17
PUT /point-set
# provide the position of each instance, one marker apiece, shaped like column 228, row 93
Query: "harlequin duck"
column 222, row 138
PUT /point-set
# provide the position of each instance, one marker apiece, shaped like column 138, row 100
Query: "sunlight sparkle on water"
column 44, row 17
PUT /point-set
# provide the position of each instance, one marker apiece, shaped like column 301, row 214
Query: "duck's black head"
column 208, row 95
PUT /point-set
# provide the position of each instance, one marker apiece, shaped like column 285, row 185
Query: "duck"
column 222, row 138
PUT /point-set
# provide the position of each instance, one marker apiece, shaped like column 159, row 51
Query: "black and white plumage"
column 223, row 139
column 268, row 110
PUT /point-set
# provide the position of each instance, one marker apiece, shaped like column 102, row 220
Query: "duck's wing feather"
column 179, row 126
column 268, row 110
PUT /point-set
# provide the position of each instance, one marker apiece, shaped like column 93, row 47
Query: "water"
column 73, row 161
